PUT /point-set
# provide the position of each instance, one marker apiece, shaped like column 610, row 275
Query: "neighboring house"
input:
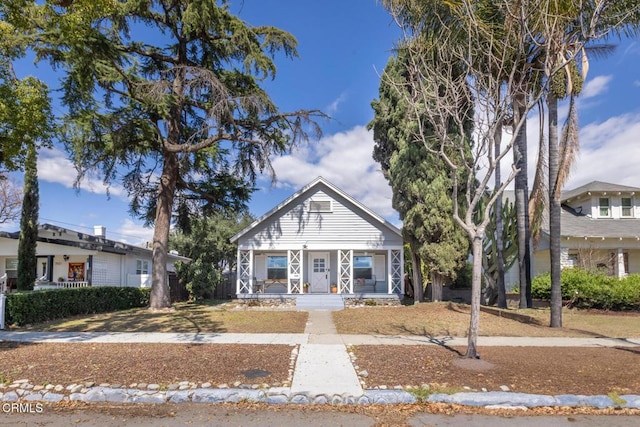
column 600, row 229
column 68, row 258
column 325, row 238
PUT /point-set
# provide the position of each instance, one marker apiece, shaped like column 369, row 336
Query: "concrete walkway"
column 324, row 368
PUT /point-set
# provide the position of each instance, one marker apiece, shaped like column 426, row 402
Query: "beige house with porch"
column 600, row 229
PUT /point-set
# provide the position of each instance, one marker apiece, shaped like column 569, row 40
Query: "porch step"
column 319, row 302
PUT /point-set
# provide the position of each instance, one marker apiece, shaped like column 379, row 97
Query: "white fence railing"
column 59, row 285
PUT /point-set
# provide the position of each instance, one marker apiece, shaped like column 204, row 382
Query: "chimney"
column 99, row 231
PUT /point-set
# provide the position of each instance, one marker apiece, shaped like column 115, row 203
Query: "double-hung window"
column 142, row 266
column 277, row 267
column 626, row 207
column 605, row 207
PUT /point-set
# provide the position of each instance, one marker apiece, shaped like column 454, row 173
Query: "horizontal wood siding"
column 346, row 226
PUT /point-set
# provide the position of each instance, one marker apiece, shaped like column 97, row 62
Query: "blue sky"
column 343, row 47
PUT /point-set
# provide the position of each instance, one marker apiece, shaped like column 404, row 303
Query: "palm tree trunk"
column 522, row 205
column 554, row 214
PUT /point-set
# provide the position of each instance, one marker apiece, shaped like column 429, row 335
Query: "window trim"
column 623, row 207
column 601, row 206
column 142, row 266
column 285, row 268
column 371, row 268
column 319, row 204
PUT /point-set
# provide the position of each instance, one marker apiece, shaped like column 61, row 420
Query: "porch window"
column 277, row 267
column 363, row 267
column 604, row 206
column 142, row 266
column 626, row 207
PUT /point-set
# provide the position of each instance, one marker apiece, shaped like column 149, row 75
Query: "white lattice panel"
column 244, row 272
column 345, row 280
column 295, row 272
column 106, row 270
column 396, row 271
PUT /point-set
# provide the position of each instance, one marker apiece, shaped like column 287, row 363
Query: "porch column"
column 294, row 276
column 244, row 283
column 345, row 271
column 620, row 271
column 389, row 274
column 396, row 271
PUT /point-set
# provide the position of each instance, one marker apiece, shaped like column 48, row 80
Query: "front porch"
column 302, row 271
column 320, row 301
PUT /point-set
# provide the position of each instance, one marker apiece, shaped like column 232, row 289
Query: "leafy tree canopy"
column 166, row 96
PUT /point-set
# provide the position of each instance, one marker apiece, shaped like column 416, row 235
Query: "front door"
column 319, row 277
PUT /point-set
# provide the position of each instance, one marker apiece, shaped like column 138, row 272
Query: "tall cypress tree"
column 29, row 224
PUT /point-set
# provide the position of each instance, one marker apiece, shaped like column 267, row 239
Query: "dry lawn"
column 183, row 318
column 450, row 319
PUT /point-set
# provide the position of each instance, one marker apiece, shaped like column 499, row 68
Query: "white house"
column 600, row 228
column 323, row 237
column 72, row 259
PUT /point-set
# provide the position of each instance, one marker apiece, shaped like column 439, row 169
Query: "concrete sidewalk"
column 309, row 338
column 323, row 372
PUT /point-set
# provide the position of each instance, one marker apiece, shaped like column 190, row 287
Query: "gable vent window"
column 604, row 207
column 627, row 208
column 320, row 206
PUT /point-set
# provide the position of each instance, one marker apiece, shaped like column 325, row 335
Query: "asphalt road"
column 229, row 415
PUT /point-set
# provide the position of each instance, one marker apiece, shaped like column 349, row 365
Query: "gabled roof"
column 597, row 187
column 294, row 198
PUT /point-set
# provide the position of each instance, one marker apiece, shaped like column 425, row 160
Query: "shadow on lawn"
column 180, row 320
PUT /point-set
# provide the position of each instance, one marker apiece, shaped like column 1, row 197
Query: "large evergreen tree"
column 27, row 262
column 165, row 96
column 421, row 186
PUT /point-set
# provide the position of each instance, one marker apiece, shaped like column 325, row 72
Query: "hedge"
column 592, row 290
column 40, row 306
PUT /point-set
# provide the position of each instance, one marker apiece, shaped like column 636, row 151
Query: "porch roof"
column 86, row 241
column 294, row 197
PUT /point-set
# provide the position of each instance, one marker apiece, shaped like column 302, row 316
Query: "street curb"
column 281, row 395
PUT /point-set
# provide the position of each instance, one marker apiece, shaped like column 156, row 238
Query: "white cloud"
column 132, row 233
column 344, row 159
column 333, row 107
column 54, row 166
column 596, row 86
column 608, row 152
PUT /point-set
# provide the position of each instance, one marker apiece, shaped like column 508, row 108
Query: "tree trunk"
column 160, row 296
column 500, row 286
column 522, row 206
column 554, row 214
column 437, row 282
column 417, row 275
column 474, row 323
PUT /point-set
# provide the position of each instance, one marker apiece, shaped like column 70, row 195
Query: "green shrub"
column 200, row 278
column 592, row 290
column 40, row 306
